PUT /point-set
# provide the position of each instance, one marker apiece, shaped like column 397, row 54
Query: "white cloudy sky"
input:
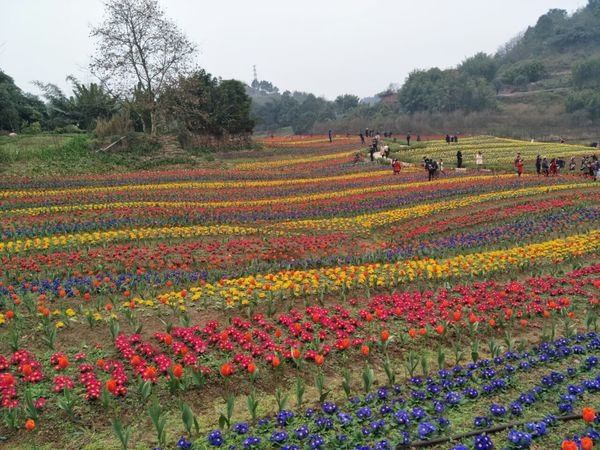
column 328, row 47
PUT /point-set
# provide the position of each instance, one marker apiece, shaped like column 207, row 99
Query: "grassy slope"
column 64, row 154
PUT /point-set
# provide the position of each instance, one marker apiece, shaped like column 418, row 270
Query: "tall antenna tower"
column 254, row 72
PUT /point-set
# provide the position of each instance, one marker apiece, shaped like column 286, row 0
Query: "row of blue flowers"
column 398, row 416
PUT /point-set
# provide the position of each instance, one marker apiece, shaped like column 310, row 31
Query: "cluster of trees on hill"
column 298, row 110
column 147, row 82
column 16, row 107
column 554, row 33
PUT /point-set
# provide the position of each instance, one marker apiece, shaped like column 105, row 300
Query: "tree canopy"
column 436, row 90
column 17, row 109
column 200, row 103
column 138, row 46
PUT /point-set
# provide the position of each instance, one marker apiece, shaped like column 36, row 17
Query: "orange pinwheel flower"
column 30, row 424
column 226, row 369
column 178, row 371
column 111, row 385
column 27, row 370
column 588, row 414
column 385, row 335
column 587, row 443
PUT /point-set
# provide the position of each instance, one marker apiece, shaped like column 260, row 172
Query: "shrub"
column 70, row 128
column 118, row 125
column 31, row 128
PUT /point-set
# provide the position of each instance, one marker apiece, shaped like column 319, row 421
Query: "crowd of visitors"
column 590, row 165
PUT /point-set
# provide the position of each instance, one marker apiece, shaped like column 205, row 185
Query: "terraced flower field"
column 498, row 153
column 298, row 300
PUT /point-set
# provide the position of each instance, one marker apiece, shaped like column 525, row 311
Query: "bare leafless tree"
column 138, row 47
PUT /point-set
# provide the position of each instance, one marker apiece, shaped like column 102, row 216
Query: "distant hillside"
column 553, row 47
column 557, row 39
column 543, row 84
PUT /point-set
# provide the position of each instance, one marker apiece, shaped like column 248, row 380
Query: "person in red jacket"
column 519, row 165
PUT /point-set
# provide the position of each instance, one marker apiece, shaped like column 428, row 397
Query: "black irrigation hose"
column 491, row 430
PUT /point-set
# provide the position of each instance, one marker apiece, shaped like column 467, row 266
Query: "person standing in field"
column 459, row 159
column 441, row 167
column 545, row 166
column 538, row 164
column 362, row 138
column 330, row 136
column 408, row 139
column 430, row 167
column 553, row 167
column 519, row 165
column 448, row 139
column 478, row 160
column 386, row 151
column 396, row 166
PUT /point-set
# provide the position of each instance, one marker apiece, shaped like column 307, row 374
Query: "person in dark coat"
column 408, row 140
column 362, row 138
column 538, row 164
column 545, row 166
column 459, row 159
column 448, row 139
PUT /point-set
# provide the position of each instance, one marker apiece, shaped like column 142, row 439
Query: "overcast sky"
column 328, row 47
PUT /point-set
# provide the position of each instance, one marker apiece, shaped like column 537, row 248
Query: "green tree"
column 480, row 65
column 138, row 46
column 203, row 104
column 91, row 102
column 344, row 103
column 435, row 90
column 232, row 109
column 59, row 109
column 17, row 108
column 586, row 74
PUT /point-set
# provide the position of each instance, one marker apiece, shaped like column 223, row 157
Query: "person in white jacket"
column 479, row 160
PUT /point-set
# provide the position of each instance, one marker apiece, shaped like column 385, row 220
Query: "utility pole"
column 255, row 77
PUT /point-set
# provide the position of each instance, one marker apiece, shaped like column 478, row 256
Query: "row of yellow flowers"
column 290, row 284
column 190, row 185
column 366, row 222
column 21, row 245
column 235, row 203
column 286, row 162
column 291, row 142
